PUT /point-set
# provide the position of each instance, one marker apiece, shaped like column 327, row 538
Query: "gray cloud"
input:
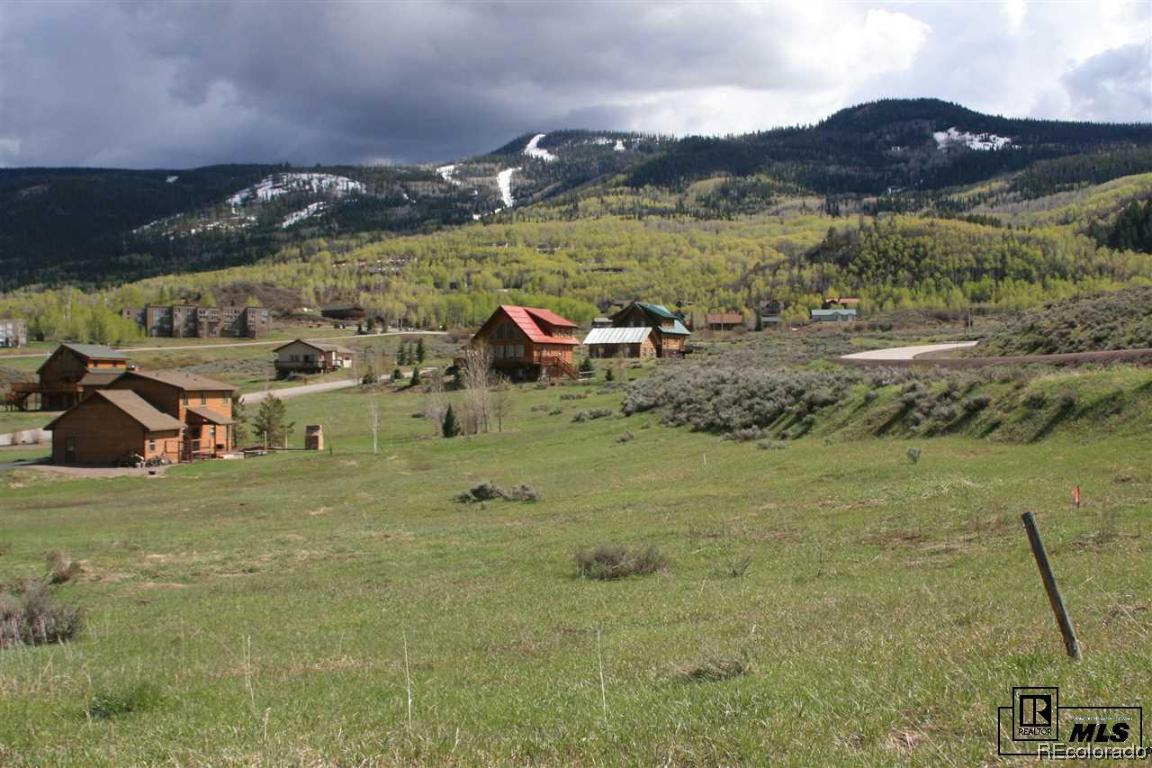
column 1115, row 85
column 148, row 84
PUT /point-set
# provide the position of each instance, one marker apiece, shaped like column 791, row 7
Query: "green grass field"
column 339, row 608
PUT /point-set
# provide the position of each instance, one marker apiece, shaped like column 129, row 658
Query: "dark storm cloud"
column 163, row 84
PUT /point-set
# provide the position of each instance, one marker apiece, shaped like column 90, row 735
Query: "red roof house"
column 529, row 343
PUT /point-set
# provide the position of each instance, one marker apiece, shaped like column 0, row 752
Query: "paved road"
column 243, row 343
column 908, row 353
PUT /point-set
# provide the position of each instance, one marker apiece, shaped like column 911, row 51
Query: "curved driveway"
column 907, row 353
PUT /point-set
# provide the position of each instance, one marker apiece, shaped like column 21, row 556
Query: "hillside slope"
column 99, row 226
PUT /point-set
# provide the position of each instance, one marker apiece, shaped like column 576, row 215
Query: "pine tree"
column 449, row 427
column 271, row 422
column 586, row 368
column 415, row 382
column 402, row 354
column 420, row 351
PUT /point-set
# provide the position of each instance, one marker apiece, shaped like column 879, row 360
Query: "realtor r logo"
column 1035, row 715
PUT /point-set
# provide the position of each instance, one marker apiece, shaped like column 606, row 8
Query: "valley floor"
column 342, row 609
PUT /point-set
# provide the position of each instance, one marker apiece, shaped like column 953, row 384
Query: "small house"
column 13, row 332
column 529, row 343
column 833, row 315
column 620, row 342
column 353, row 312
column 114, row 426
column 841, row 302
column 302, row 356
column 668, row 332
column 67, row 375
column 723, row 321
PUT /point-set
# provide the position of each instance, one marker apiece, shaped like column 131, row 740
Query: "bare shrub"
column 61, row 570
column 608, row 562
column 29, row 615
column 913, row 455
column 489, row 491
column 627, row 437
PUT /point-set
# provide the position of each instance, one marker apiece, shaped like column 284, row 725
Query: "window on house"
column 151, row 446
column 203, row 398
column 184, row 398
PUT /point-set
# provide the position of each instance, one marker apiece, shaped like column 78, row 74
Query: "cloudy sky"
column 159, row 84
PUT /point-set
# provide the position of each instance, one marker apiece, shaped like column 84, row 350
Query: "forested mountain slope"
column 102, row 227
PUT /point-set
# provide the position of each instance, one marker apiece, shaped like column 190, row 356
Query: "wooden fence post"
column 1071, row 644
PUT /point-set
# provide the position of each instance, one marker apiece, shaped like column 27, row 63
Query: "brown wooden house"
column 723, row 321
column 112, row 427
column 202, row 405
column 66, row 376
column 529, row 343
column 669, row 335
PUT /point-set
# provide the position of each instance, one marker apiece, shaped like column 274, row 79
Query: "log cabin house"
column 203, row 406
column 67, row 375
column 112, row 427
column 723, row 321
column 300, row 356
column 529, row 343
column 668, row 332
column 620, row 342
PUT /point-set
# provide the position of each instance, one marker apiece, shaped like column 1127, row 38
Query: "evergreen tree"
column 415, row 382
column 420, row 350
column 271, row 422
column 586, row 368
column 450, row 427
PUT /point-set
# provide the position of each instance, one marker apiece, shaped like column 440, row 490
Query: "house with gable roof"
column 529, row 343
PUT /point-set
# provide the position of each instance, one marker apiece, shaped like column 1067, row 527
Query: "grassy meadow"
column 340, row 608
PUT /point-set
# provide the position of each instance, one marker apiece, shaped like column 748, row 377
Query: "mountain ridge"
column 100, row 226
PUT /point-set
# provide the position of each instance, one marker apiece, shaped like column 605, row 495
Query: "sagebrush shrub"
column 30, row 615
column 608, row 562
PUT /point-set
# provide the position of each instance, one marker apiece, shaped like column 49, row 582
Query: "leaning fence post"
column 1071, row 644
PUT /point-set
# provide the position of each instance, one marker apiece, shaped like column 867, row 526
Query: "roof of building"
column 181, row 380
column 99, row 378
column 657, row 309
column 723, row 318
column 660, row 312
column 618, row 335
column 316, row 345
column 95, row 351
column 209, row 415
column 549, row 317
column 525, row 319
column 833, row 312
column 132, row 405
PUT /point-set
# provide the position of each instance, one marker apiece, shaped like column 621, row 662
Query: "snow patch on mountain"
column 279, row 184
column 533, row 149
column 448, row 173
column 983, row 142
column 171, row 179
column 619, row 146
column 304, row 213
column 504, row 180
